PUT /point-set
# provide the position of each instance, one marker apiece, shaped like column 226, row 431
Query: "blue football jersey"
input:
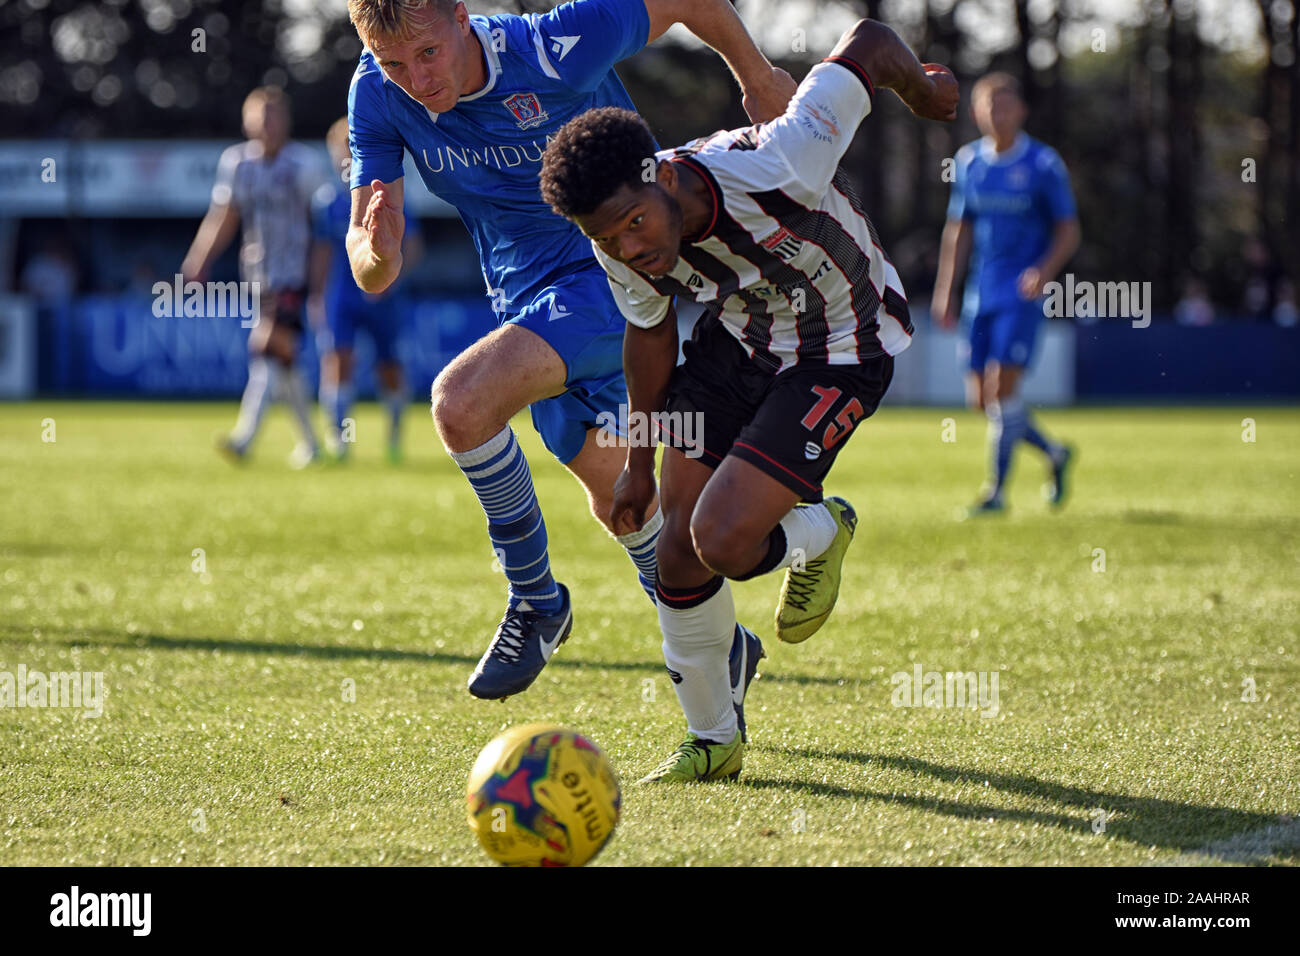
column 1014, row 201
column 331, row 214
column 485, row 155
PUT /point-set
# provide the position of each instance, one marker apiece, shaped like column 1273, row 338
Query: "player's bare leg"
column 975, row 390
column 486, row 385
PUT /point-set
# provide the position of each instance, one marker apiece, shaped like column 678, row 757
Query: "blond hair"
column 392, row 18
column 992, row 83
column 270, row 95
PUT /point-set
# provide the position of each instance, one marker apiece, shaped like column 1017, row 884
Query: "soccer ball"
column 542, row 795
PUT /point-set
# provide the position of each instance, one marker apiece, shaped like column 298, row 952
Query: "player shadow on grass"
column 1146, row 821
column 110, row 639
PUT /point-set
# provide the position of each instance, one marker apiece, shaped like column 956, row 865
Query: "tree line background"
column 1183, row 147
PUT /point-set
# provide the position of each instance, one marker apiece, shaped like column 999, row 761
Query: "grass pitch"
column 1128, row 634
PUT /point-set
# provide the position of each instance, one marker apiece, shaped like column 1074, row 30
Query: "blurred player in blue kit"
column 1011, row 214
column 475, row 100
column 338, row 308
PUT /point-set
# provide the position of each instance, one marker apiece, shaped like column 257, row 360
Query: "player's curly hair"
column 592, row 156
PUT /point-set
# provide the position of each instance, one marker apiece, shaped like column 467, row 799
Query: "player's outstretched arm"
column 766, row 89
column 375, row 235
column 954, row 254
column 649, row 356
column 929, row 90
column 216, row 232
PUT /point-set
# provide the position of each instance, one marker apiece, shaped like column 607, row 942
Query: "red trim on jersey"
column 857, row 69
column 699, row 169
column 768, row 458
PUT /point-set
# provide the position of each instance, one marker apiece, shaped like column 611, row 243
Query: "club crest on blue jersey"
column 527, row 109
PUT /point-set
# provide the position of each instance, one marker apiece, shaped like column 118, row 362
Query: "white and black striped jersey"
column 273, row 197
column 790, row 263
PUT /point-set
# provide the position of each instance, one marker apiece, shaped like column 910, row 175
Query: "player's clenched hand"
column 383, row 223
column 768, row 100
column 942, row 313
column 1031, row 283
column 936, row 99
column 633, row 492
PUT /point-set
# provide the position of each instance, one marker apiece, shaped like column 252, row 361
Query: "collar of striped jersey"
column 715, row 194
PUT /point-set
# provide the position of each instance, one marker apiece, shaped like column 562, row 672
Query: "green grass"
column 1119, row 690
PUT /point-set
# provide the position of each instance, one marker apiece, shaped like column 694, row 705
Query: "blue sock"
column 1038, row 439
column 1007, row 420
column 336, row 403
column 498, row 472
column 640, row 547
column 395, row 402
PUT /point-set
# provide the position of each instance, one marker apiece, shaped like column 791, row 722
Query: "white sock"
column 809, row 531
column 296, row 393
column 697, row 641
column 252, row 407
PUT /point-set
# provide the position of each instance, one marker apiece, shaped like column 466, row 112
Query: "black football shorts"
column 789, row 425
column 285, row 308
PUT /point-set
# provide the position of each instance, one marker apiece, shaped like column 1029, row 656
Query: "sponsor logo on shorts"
column 812, row 451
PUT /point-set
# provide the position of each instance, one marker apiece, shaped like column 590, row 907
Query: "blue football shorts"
column 577, row 317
